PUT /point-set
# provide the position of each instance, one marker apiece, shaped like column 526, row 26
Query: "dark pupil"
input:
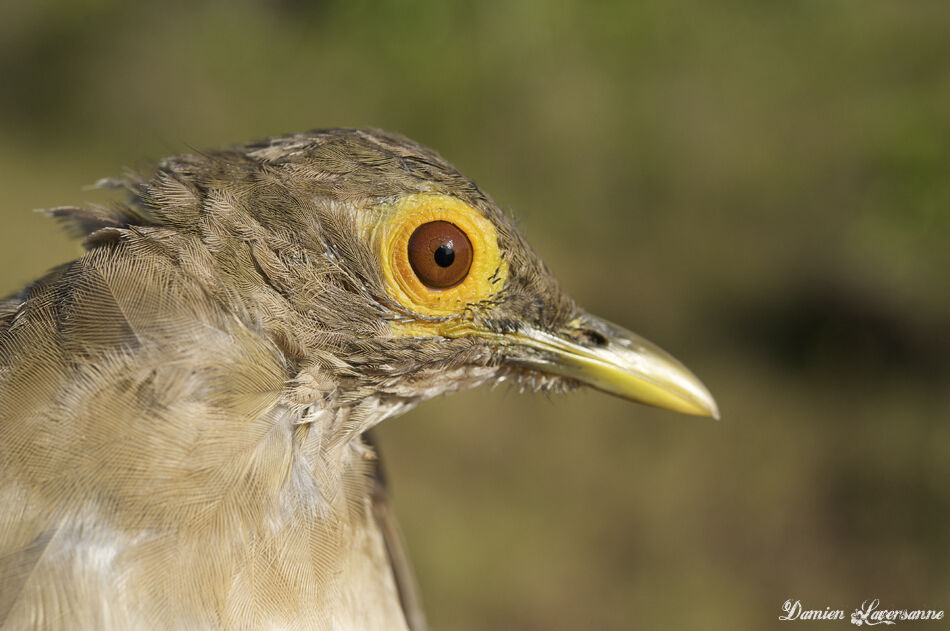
column 445, row 255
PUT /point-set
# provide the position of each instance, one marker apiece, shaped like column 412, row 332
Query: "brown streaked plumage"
column 183, row 409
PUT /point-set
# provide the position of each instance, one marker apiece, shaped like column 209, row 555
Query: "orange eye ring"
column 440, row 254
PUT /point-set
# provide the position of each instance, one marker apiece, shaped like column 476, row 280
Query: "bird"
column 186, row 409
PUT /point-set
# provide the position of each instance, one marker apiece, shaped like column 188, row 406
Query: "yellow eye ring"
column 397, row 224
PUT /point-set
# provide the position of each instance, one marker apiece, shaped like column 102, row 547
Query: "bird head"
column 372, row 263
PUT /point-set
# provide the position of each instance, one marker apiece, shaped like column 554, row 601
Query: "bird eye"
column 440, row 254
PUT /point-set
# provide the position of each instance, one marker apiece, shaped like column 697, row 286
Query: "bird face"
column 463, row 297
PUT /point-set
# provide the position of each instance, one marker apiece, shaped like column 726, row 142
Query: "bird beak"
column 607, row 357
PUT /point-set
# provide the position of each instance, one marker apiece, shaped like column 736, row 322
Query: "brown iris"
column 440, row 254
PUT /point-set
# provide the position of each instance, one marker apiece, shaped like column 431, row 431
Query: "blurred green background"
column 760, row 187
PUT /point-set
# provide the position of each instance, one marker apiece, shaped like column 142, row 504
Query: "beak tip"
column 706, row 406
column 707, row 403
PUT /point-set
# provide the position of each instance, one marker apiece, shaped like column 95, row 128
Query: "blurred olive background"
column 761, row 188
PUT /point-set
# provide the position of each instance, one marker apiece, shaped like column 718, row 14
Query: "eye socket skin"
column 435, row 279
column 440, row 254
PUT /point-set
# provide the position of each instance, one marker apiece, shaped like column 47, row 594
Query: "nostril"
column 593, row 338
